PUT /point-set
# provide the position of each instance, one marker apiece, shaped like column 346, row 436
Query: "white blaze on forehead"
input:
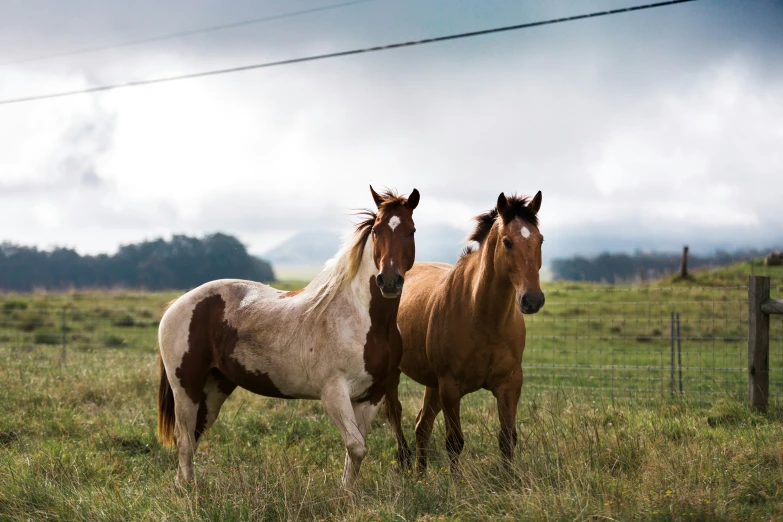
column 525, row 232
column 393, row 222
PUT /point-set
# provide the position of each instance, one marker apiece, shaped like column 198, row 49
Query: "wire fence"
column 646, row 347
column 604, row 344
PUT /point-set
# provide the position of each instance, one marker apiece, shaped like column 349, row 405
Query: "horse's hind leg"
column 425, row 420
column 216, row 390
column 337, row 403
column 186, row 412
column 193, row 418
column 394, row 414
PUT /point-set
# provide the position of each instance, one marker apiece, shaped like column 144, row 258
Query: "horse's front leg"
column 337, row 403
column 507, row 395
column 365, row 412
column 394, row 414
column 450, row 397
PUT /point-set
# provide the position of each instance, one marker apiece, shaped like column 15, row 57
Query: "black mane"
column 517, row 208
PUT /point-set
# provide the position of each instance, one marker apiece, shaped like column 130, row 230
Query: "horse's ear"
column 535, row 203
column 413, row 199
column 377, row 197
column 502, row 205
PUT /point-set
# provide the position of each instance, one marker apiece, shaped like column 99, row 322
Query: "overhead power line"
column 138, row 83
column 181, row 34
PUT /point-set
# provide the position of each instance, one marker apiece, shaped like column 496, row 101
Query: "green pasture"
column 77, row 435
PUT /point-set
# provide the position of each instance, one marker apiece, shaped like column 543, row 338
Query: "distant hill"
column 314, row 248
column 305, row 248
column 181, row 263
column 624, row 268
column 733, row 275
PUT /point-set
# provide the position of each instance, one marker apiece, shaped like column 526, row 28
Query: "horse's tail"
column 165, row 408
column 166, row 416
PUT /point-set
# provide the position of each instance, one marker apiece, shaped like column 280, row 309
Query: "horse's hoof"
column 404, row 457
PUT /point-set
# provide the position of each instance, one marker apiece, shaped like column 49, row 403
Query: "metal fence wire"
column 646, row 349
column 636, row 344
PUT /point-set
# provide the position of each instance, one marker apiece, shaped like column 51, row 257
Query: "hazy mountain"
column 305, row 248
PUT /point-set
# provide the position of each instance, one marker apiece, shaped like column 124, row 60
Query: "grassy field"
column 77, row 440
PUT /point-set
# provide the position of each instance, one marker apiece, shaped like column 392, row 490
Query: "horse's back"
column 201, row 330
column 261, row 339
column 423, row 284
column 219, row 294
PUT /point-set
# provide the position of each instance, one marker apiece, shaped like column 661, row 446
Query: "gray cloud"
column 642, row 130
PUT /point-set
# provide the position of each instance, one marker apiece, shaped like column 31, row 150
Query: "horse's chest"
column 382, row 353
column 479, row 362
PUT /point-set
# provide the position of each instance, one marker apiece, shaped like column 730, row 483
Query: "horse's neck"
column 359, row 289
column 492, row 295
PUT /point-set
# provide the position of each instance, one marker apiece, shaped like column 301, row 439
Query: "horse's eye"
column 507, row 244
column 413, row 232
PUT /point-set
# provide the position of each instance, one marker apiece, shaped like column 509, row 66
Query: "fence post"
column 62, row 359
column 758, row 343
column 684, row 264
column 671, row 381
column 679, row 350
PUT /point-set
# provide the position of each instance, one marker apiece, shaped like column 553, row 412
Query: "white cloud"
column 656, row 152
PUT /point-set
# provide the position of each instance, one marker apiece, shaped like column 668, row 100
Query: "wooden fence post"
column 64, row 331
column 758, row 343
column 684, row 264
column 671, row 381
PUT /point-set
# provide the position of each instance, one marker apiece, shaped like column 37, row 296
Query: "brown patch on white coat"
column 337, row 340
column 463, row 327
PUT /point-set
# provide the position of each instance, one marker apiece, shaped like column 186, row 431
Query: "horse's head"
column 394, row 248
column 518, row 252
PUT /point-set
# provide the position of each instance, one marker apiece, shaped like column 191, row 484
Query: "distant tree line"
column 622, row 268
column 184, row 262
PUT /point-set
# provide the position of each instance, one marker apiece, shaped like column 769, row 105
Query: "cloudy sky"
column 643, row 130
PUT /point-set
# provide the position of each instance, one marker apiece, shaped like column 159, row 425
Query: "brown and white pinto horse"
column 336, row 340
column 463, row 329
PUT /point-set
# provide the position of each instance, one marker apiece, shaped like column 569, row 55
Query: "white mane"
column 340, row 270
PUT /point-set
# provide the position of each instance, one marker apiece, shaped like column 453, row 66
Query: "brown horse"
column 336, row 340
column 462, row 327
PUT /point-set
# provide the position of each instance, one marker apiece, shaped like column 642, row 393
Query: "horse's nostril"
column 379, row 281
column 532, row 303
column 400, row 281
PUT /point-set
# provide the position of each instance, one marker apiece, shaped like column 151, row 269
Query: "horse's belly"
column 268, row 373
column 268, row 383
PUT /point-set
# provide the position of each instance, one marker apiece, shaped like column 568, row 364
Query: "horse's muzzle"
column 391, row 287
column 532, row 302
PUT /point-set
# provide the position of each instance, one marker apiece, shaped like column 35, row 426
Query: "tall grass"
column 77, row 442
